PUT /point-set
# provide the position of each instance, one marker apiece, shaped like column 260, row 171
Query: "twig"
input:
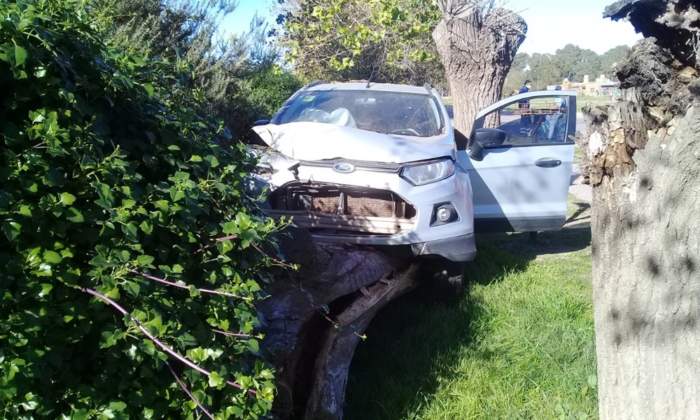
column 187, row 391
column 222, row 239
column 232, row 334
column 276, row 261
column 155, row 340
column 183, row 286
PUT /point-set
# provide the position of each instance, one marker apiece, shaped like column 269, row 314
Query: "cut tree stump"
column 316, row 316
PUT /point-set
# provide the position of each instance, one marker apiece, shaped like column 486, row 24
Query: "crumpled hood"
column 312, row 141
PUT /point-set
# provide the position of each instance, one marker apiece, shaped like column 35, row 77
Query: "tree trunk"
column 645, row 167
column 477, row 45
column 316, row 316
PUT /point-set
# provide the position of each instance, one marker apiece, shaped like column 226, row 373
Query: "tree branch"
column 184, row 286
column 187, row 391
column 164, row 347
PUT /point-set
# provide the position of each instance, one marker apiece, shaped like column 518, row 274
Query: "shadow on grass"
column 414, row 344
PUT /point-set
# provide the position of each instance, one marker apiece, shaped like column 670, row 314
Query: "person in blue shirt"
column 525, row 87
column 524, row 106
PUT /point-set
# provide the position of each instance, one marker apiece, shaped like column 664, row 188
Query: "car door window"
column 541, row 120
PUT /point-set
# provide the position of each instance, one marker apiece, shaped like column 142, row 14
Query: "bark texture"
column 645, row 169
column 477, row 44
column 315, row 318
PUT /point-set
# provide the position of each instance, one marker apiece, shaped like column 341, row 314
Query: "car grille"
column 342, row 208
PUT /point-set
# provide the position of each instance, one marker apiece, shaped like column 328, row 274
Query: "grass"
column 518, row 346
column 592, row 101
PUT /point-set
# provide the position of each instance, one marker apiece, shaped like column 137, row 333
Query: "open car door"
column 519, row 160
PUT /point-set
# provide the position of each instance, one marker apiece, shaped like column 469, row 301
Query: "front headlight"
column 428, row 172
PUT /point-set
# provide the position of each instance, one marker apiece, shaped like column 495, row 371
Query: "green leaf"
column 197, row 354
column 149, row 89
column 117, row 406
column 52, row 257
column 45, row 289
column 146, row 227
column 132, row 288
column 216, row 381
column 11, row 230
column 144, row 260
column 130, row 230
column 67, row 199
column 20, row 55
column 106, row 199
column 75, row 215
column 25, row 210
column 230, row 228
column 253, row 346
column 212, row 161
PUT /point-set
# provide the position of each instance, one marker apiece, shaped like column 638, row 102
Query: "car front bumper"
column 453, row 241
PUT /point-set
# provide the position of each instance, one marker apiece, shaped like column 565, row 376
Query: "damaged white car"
column 379, row 164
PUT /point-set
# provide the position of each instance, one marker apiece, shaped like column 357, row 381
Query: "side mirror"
column 261, row 122
column 485, row 138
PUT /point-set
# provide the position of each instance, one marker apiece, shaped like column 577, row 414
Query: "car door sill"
column 528, row 224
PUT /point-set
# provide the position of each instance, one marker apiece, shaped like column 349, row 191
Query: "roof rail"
column 314, row 83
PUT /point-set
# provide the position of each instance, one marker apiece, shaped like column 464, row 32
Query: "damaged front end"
column 341, row 209
column 348, row 185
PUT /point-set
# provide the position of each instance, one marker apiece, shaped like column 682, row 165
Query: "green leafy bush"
column 121, row 220
column 266, row 90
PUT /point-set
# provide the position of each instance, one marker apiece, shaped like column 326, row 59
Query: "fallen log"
column 316, row 316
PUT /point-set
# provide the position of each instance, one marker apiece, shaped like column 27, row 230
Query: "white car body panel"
column 529, row 191
column 509, row 186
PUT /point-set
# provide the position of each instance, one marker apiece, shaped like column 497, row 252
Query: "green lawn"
column 592, row 101
column 519, row 345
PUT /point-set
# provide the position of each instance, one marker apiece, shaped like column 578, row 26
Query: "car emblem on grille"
column 344, row 167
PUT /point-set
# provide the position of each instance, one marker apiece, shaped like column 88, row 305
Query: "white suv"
column 379, row 164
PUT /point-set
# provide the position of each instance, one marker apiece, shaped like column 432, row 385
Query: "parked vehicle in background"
column 380, row 164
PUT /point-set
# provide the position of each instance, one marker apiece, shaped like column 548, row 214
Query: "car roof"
column 382, row 87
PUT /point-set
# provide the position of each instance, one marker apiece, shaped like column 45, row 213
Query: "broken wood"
column 315, row 318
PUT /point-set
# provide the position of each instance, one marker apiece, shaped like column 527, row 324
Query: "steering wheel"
column 406, row 132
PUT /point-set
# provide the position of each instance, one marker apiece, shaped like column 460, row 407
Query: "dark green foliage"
column 109, row 166
column 231, row 73
column 267, row 89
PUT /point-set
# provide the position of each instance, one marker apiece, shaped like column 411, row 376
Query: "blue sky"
column 552, row 23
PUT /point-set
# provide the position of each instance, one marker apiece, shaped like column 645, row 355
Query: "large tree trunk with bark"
column 645, row 169
column 316, row 316
column 477, row 44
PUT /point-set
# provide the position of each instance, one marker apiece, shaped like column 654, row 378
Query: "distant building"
column 602, row 86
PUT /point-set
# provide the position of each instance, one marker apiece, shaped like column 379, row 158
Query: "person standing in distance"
column 524, row 106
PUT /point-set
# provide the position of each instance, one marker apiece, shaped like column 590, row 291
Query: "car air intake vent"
column 340, row 200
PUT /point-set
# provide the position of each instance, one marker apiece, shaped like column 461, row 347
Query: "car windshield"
column 407, row 114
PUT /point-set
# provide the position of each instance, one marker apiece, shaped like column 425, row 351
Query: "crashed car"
column 380, row 164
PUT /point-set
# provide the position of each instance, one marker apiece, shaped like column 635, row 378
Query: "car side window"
column 542, row 120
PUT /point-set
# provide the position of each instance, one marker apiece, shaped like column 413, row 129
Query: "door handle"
column 548, row 163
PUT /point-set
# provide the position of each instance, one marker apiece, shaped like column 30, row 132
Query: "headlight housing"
column 428, row 172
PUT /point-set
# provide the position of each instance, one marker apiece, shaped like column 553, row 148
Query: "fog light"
column 443, row 214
